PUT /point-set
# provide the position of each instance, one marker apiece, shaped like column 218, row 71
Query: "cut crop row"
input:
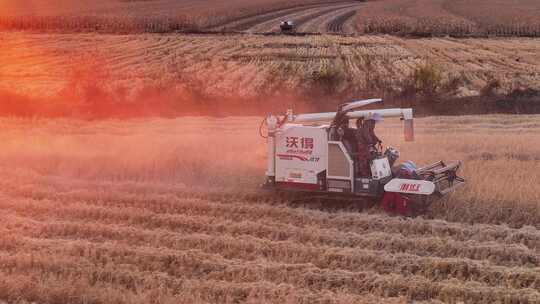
column 235, row 206
column 267, row 228
column 185, row 264
column 289, row 252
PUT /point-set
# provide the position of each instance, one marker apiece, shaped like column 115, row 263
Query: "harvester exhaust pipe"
column 352, row 112
column 408, row 127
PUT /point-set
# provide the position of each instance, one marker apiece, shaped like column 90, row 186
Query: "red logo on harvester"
column 300, row 148
column 410, row 187
column 307, row 142
column 294, row 142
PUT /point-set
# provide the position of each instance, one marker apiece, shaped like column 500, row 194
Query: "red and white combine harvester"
column 312, row 153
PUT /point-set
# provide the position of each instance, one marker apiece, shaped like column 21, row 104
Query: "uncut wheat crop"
column 458, row 18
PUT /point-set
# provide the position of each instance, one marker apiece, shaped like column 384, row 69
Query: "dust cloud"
column 186, row 151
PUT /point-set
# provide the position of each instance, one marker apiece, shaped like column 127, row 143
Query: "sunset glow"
column 269, row 151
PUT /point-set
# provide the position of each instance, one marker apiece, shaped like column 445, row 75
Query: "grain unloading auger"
column 315, row 153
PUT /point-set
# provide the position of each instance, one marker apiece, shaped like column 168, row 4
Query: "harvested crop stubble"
column 283, row 251
column 175, row 218
column 165, row 75
column 84, row 225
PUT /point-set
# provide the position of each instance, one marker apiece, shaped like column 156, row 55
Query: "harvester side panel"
column 301, row 155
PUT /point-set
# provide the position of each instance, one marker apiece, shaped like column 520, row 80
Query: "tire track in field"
column 331, row 22
column 318, row 23
column 336, row 25
column 298, row 18
column 243, row 23
column 269, row 21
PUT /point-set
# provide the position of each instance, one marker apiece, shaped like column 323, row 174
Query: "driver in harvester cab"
column 367, row 142
column 348, row 137
column 342, row 132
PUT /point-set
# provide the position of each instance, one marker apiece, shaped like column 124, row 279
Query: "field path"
column 337, row 24
column 299, row 18
column 322, row 18
column 331, row 22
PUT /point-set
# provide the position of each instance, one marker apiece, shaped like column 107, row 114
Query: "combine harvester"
column 309, row 154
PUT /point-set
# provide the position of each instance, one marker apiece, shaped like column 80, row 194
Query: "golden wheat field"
column 126, row 180
column 177, row 15
column 267, row 71
column 459, row 18
column 169, row 211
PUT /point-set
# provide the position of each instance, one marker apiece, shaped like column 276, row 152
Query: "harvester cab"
column 316, row 153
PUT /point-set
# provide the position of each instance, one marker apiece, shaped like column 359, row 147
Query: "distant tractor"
column 287, row 26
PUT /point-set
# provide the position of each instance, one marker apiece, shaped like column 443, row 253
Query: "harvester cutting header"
column 320, row 153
